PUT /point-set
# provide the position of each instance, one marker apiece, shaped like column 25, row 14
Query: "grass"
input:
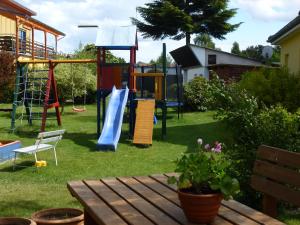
column 27, row 190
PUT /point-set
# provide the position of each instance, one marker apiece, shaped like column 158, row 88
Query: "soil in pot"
column 16, row 221
column 64, row 216
column 200, row 208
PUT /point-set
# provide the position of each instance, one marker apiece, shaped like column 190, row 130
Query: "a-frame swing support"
column 51, row 84
column 51, row 87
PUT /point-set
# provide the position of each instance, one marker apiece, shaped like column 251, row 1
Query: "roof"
column 187, row 57
column 283, row 32
column 19, row 7
column 47, row 27
column 12, row 8
column 117, row 38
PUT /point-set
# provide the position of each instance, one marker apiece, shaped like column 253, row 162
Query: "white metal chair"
column 41, row 144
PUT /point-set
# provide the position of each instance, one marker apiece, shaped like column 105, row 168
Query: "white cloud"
column 66, row 15
column 269, row 10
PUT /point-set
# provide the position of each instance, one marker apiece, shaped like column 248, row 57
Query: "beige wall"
column 7, row 25
column 290, row 53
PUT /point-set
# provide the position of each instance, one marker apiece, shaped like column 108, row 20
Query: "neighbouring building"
column 288, row 38
column 201, row 61
column 17, row 32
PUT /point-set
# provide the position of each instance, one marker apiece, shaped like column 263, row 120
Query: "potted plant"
column 203, row 182
column 63, row 216
column 16, row 221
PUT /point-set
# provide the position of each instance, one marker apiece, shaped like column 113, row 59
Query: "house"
column 17, row 32
column 288, row 38
column 201, row 61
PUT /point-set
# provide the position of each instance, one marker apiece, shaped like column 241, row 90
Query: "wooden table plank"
column 251, row 213
column 229, row 215
column 234, row 217
column 150, row 211
column 163, row 180
column 159, row 188
column 156, row 199
column 150, row 200
column 170, row 195
column 93, row 204
column 118, row 204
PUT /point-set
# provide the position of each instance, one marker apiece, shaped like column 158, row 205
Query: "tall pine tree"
column 179, row 19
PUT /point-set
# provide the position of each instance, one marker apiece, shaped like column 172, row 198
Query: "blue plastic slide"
column 111, row 131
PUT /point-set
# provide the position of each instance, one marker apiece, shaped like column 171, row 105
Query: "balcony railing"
column 8, row 43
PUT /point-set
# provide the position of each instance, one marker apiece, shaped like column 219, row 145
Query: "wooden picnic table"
column 149, row 200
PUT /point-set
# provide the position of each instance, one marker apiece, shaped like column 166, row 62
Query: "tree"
column 235, row 48
column 254, row 52
column 180, row 19
column 7, row 76
column 159, row 60
column 204, row 40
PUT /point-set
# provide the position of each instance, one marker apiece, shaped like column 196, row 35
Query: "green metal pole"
column 164, row 107
column 16, row 93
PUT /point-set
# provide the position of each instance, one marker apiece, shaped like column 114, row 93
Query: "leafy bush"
column 7, row 76
column 76, row 78
column 251, row 127
column 273, row 86
column 197, row 94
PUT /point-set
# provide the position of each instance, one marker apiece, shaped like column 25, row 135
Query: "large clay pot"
column 200, row 208
column 65, row 216
column 16, row 221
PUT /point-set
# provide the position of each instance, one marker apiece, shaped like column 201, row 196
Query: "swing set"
column 78, row 108
column 36, row 88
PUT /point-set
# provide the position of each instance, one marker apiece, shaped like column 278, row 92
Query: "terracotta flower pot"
column 16, row 221
column 200, row 208
column 65, row 216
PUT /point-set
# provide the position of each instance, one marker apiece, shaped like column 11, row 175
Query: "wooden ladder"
column 143, row 130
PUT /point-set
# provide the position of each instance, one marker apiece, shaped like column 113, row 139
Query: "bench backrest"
column 276, row 173
column 51, row 136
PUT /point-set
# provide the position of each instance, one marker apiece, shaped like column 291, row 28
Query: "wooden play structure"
column 144, row 122
column 121, row 75
column 36, row 88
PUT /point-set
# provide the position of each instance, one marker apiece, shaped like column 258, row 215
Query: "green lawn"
column 27, row 190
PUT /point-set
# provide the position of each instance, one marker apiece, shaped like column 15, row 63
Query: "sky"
column 260, row 19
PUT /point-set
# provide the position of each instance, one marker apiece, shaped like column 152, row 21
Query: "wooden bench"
column 277, row 176
column 41, row 144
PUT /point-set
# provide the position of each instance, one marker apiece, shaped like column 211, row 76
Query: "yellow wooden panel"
column 148, row 74
column 7, row 25
column 143, row 130
column 291, row 47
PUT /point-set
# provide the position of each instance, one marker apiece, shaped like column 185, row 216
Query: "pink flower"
column 207, row 147
column 218, row 148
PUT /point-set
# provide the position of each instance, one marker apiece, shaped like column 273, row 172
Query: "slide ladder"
column 143, row 130
column 111, row 131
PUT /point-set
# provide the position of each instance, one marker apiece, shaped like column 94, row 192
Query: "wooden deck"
column 143, row 130
column 149, row 200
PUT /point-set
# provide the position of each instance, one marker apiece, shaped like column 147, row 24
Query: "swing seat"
column 75, row 109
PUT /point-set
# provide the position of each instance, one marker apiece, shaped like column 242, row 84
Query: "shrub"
column 7, row 76
column 273, row 86
column 251, row 127
column 197, row 94
column 77, row 80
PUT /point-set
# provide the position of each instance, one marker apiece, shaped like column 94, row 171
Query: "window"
column 22, row 40
column 212, row 59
